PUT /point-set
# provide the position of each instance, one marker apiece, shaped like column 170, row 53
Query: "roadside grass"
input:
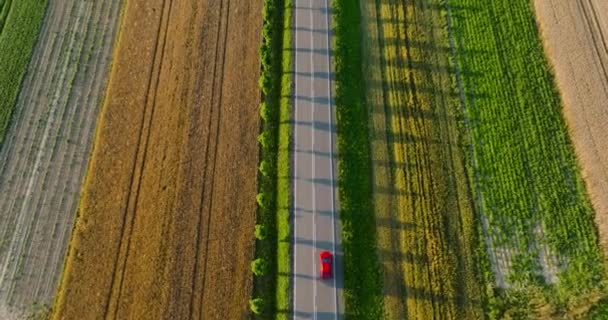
column 17, row 40
column 426, row 223
column 283, row 169
column 538, row 222
column 362, row 275
column 273, row 180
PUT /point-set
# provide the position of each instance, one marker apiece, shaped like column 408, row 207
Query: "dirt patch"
column 44, row 156
column 575, row 35
column 168, row 207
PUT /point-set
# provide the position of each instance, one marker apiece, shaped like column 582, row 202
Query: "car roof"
column 325, row 254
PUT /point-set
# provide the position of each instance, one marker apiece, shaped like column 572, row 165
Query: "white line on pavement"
column 314, row 200
column 295, row 166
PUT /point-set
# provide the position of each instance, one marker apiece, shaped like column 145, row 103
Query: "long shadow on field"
column 418, row 111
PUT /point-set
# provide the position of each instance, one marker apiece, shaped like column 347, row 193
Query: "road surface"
column 316, row 222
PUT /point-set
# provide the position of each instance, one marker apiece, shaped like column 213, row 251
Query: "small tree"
column 263, row 139
column 261, row 199
column 260, row 232
column 265, row 83
column 259, row 266
column 256, row 305
column 264, row 168
column 264, row 111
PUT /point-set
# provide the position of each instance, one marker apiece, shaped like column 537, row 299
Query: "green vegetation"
column 256, row 305
column 426, row 224
column 362, row 278
column 523, row 165
column 260, row 232
column 259, row 266
column 17, row 39
column 5, row 6
column 283, row 181
column 272, row 231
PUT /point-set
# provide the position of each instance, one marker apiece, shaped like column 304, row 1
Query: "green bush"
column 264, row 111
column 260, row 232
column 263, row 139
column 265, row 168
column 259, row 266
column 265, row 83
column 262, row 200
column 256, row 305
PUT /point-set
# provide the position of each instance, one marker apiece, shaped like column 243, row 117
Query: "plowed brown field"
column 167, row 209
column 575, row 35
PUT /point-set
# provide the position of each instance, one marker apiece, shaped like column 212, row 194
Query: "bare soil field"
column 575, row 35
column 165, row 222
column 45, row 153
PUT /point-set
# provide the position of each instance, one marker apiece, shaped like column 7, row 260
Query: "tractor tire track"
column 115, row 292
column 206, row 210
column 186, row 188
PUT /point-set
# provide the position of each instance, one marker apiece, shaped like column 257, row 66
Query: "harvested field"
column 168, row 207
column 46, row 150
column 425, row 218
column 575, row 36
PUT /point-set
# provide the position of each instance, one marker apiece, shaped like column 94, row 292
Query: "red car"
column 326, row 261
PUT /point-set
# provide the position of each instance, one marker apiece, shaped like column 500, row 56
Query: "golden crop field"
column 424, row 213
column 165, row 224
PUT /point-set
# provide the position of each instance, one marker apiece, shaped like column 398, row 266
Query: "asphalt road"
column 316, row 224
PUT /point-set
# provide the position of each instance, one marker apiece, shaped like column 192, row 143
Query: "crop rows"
column 166, row 212
column 424, row 215
column 537, row 220
column 44, row 155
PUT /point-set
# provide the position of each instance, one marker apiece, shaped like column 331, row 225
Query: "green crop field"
column 5, row 6
column 20, row 23
column 537, row 221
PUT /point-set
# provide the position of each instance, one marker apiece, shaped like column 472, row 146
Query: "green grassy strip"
column 272, row 287
column 5, row 6
column 17, row 42
column 283, row 182
column 362, row 278
column 528, row 172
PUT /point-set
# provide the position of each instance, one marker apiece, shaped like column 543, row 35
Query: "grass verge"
column 274, row 183
column 362, row 278
column 17, row 40
column 283, row 181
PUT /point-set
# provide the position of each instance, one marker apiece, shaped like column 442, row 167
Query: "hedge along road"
column 316, row 225
column 45, row 153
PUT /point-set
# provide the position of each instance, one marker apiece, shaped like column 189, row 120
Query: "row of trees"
column 264, row 264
